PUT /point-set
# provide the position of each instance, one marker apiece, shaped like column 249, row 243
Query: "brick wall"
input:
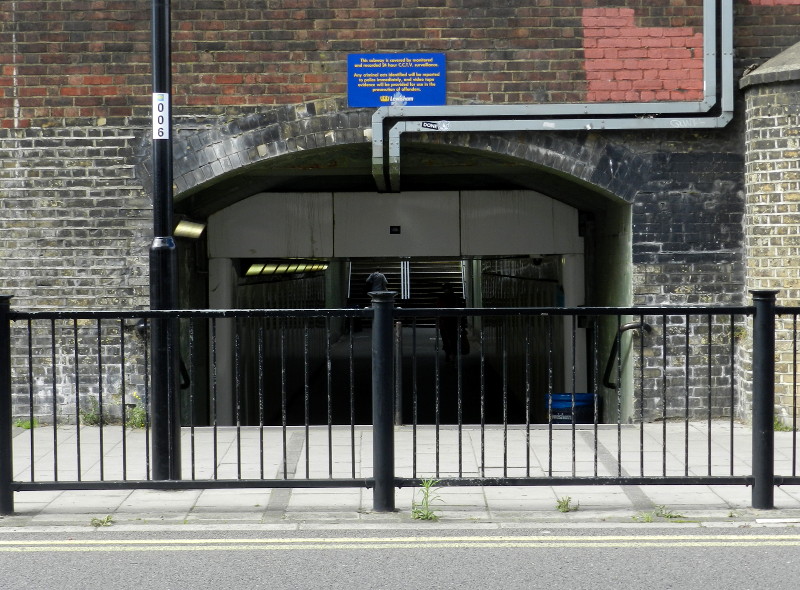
column 775, row 2
column 75, row 100
column 772, row 235
column 626, row 62
column 75, row 220
column 70, row 59
column 63, row 59
column 764, row 28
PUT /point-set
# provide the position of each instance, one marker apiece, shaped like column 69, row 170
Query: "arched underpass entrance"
column 504, row 248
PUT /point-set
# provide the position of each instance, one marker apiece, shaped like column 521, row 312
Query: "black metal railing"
column 311, row 398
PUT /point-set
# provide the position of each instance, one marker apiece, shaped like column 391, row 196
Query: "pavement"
column 321, row 452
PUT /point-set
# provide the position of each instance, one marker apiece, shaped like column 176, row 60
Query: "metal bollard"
column 6, row 438
column 382, row 401
column 764, row 400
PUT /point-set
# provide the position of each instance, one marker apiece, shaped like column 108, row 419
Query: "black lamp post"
column 164, row 403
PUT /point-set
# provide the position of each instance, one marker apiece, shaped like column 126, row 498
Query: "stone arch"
column 597, row 163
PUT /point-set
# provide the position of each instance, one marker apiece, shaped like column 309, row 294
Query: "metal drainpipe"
column 565, row 117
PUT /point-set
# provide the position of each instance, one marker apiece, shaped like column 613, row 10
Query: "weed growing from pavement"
column 663, row 512
column 423, row 510
column 565, row 504
column 105, row 521
column 136, row 417
column 660, row 511
column 26, row 423
column 92, row 416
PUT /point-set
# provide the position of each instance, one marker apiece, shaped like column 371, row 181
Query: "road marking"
column 310, row 543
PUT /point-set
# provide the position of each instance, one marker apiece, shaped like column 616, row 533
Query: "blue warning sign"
column 396, row 79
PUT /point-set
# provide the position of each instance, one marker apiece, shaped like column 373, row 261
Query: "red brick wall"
column 776, row 2
column 626, row 62
column 79, row 58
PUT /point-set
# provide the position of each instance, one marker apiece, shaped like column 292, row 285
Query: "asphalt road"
column 640, row 557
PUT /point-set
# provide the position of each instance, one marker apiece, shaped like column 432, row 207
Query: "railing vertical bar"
column 262, row 392
column 77, row 398
column 397, row 372
column 54, row 419
column 307, row 396
column 596, row 380
column 329, row 386
column 505, row 398
column 794, row 392
column 664, row 395
column 550, row 385
column 460, row 394
column 237, row 389
column 619, row 395
column 710, row 388
column 31, row 413
column 573, row 388
column 284, row 409
column 102, row 418
column 527, row 398
column 414, row 398
column 192, row 393
column 686, row 397
column 437, row 391
column 123, row 397
column 397, row 367
column 732, row 389
column 641, row 396
column 482, row 356
column 214, row 396
column 352, row 386
column 146, row 347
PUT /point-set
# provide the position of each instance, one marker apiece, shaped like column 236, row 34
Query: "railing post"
column 764, row 399
column 382, row 401
column 6, row 439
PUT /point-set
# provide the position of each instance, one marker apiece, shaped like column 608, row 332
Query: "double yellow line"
column 362, row 543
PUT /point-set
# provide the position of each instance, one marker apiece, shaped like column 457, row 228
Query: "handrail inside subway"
column 612, row 356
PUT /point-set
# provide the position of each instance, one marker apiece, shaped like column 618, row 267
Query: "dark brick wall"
column 688, row 232
column 75, row 219
column 764, row 28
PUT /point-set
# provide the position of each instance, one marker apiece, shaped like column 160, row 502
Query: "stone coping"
column 784, row 67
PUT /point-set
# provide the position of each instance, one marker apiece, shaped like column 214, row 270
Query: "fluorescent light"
column 277, row 268
column 189, row 229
